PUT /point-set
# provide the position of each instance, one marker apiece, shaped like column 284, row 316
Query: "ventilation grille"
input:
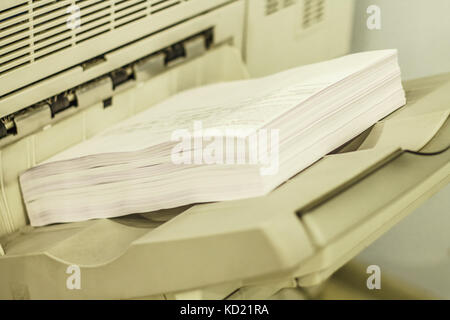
column 34, row 29
column 273, row 6
column 313, row 13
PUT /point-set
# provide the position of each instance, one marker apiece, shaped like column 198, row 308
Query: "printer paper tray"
column 297, row 235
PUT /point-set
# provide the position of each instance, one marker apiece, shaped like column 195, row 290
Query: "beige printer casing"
column 61, row 88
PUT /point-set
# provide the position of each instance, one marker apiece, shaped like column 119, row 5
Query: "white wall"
column 417, row 250
column 420, row 29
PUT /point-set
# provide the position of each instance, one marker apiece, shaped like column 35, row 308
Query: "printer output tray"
column 297, row 236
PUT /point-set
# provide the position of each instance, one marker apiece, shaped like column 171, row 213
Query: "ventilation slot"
column 128, row 11
column 95, row 20
column 34, row 29
column 287, row 3
column 14, row 38
column 273, row 6
column 161, row 5
column 313, row 13
column 50, row 32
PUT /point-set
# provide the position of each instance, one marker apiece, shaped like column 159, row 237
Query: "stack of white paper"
column 220, row 142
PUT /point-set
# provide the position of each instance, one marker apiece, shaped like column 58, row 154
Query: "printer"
column 72, row 68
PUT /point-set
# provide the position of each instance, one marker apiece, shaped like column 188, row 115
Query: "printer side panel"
column 284, row 34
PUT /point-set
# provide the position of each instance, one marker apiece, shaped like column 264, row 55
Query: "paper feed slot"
column 104, row 87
